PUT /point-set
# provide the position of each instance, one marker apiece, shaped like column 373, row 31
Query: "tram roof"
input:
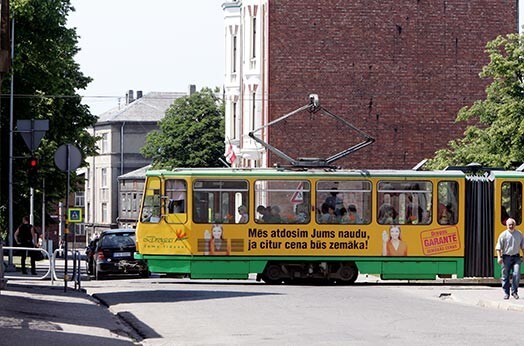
column 274, row 172
column 508, row 174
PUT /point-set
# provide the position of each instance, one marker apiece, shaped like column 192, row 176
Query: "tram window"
column 219, row 201
column 151, row 203
column 447, row 203
column 511, row 202
column 175, row 205
column 404, row 202
column 282, row 201
column 176, row 196
column 345, row 201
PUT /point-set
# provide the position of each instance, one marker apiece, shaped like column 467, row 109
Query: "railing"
column 28, row 249
column 76, row 275
column 51, row 273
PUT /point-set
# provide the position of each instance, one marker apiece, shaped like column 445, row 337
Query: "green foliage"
column 46, row 81
column 498, row 137
column 191, row 134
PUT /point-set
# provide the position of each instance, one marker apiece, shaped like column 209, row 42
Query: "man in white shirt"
column 508, row 247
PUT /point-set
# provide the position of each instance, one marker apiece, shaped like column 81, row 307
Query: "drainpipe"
column 119, row 206
column 122, row 148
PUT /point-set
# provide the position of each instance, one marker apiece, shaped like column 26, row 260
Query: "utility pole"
column 5, row 64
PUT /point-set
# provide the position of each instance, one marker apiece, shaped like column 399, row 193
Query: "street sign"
column 74, row 215
column 68, row 153
column 298, row 196
column 32, row 131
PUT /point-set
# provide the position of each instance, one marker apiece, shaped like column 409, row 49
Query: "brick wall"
column 399, row 70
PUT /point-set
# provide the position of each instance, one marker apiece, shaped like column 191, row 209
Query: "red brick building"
column 398, row 70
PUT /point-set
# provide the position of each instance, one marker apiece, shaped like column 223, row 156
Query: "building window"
column 104, row 213
column 103, row 173
column 104, row 143
column 234, row 55
column 104, row 194
column 234, row 128
column 104, row 190
column 253, row 104
column 253, row 37
column 79, row 199
column 123, row 204
column 128, row 202
column 134, row 207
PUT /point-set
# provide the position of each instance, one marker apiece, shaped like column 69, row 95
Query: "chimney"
column 138, row 94
column 129, row 97
column 192, row 89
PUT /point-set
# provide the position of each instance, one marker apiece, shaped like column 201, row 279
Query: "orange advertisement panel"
column 440, row 240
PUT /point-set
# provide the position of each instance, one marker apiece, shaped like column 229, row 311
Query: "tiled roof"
column 150, row 107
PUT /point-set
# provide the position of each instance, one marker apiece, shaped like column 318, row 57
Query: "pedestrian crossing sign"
column 74, row 215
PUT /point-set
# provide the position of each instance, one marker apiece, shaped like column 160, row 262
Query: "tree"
column 497, row 139
column 191, row 134
column 46, row 80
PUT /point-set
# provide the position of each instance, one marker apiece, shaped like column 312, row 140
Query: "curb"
column 501, row 305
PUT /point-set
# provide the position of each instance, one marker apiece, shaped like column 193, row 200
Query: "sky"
column 153, row 45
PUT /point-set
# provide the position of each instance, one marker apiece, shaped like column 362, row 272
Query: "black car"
column 113, row 254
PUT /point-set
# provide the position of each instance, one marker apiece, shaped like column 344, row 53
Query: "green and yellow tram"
column 325, row 224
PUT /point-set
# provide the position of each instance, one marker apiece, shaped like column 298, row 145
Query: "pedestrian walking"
column 509, row 245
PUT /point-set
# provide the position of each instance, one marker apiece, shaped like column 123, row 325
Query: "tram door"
column 479, row 223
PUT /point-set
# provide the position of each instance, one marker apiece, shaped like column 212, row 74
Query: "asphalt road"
column 184, row 312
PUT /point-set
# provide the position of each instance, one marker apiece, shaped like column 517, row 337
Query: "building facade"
column 398, row 70
column 130, row 190
column 122, row 132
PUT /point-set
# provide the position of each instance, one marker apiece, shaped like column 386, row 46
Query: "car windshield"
column 118, row 240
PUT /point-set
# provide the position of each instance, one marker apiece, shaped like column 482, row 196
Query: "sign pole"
column 67, row 158
column 66, row 230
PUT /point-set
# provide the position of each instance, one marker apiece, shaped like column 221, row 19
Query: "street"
column 179, row 311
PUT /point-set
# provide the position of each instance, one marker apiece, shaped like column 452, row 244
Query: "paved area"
column 37, row 312
column 41, row 311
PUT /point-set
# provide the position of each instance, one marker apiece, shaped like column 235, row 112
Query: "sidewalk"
column 485, row 293
column 38, row 312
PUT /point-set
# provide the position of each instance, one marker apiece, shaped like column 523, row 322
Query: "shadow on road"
column 171, row 296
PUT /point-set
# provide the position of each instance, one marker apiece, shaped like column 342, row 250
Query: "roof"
column 117, row 231
column 136, row 174
column 150, row 107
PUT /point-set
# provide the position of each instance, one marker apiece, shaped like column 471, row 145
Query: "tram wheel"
column 348, row 273
column 272, row 275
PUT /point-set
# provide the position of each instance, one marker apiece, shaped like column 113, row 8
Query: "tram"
column 286, row 225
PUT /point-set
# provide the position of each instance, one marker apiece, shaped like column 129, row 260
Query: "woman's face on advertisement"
column 395, row 233
column 217, row 232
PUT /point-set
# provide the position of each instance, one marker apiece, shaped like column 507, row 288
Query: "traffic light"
column 32, row 172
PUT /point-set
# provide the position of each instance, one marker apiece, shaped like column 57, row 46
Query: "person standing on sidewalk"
column 508, row 247
column 25, row 236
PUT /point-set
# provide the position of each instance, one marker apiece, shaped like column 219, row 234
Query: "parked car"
column 113, row 254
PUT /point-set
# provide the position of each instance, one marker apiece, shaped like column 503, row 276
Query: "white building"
column 122, row 133
column 246, row 82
